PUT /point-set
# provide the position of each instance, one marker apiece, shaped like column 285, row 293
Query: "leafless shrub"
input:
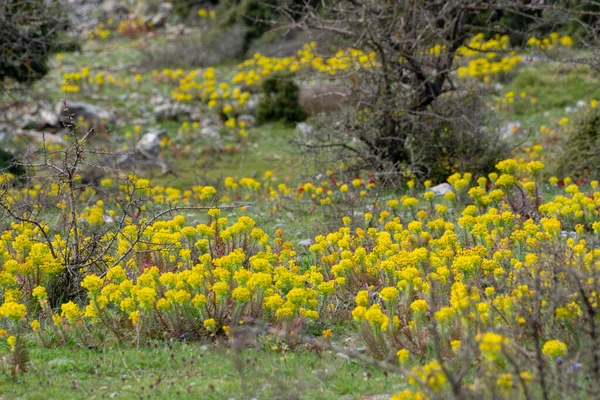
column 409, row 113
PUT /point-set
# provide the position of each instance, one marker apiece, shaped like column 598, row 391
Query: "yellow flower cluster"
column 465, row 261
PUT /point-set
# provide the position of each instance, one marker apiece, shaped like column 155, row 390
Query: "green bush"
column 258, row 15
column 29, row 32
column 578, row 151
column 8, row 164
column 280, row 100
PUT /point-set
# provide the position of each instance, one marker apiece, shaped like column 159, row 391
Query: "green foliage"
column 29, row 32
column 254, row 14
column 259, row 15
column 8, row 163
column 183, row 370
column 280, row 100
column 579, row 148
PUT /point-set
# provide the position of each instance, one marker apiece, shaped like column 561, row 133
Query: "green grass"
column 555, row 87
column 194, row 371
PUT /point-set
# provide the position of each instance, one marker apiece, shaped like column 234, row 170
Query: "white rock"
column 509, row 129
column 94, row 115
column 305, row 243
column 305, row 129
column 149, row 143
column 441, row 189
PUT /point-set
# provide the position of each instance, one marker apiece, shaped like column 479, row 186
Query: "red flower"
column 372, row 180
column 301, row 189
column 560, row 184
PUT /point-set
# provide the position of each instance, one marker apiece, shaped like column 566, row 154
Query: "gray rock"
column 509, row 129
column 173, row 111
column 149, row 143
column 44, row 119
column 114, row 8
column 210, row 122
column 146, row 154
column 248, row 119
column 569, row 234
column 323, row 97
column 159, row 20
column 305, row 243
column 252, row 104
column 165, row 7
column 49, row 118
column 210, row 132
column 441, row 189
column 305, row 129
column 95, row 116
column 40, row 137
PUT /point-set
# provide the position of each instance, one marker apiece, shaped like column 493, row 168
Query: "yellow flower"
column 93, row 284
column 12, row 341
column 220, row 288
column 134, row 316
column 13, row 311
column 388, row 294
column 505, row 382
column 554, row 348
column 419, row 306
column 376, row 317
column 273, row 302
column 359, row 313
column 403, row 355
column 241, row 294
column 35, row 325
column 491, row 344
column 327, row 333
column 362, row 298
column 39, row 292
column 70, row 311
column 210, row 324
column 199, row 300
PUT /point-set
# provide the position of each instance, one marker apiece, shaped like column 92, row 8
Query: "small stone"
column 248, row 120
column 441, row 189
column 509, row 129
column 305, row 243
column 95, row 116
column 305, row 129
column 569, row 234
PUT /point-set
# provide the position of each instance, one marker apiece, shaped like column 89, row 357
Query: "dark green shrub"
column 29, row 32
column 578, row 151
column 259, row 16
column 280, row 100
column 9, row 164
